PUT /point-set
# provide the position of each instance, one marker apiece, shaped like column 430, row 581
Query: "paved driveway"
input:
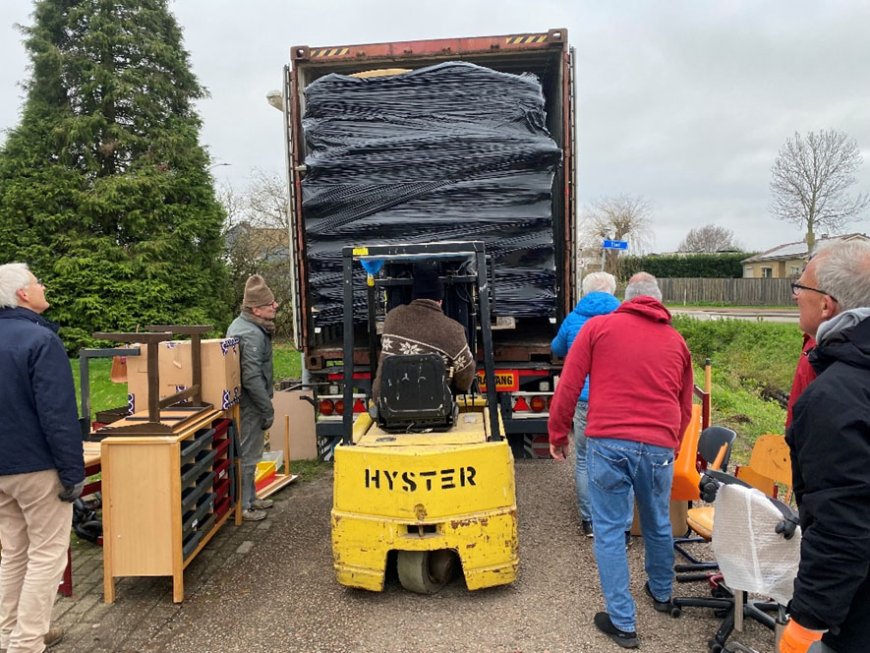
column 269, row 587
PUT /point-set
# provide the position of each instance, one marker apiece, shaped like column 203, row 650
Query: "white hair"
column 643, row 284
column 599, row 282
column 13, row 277
column 843, row 272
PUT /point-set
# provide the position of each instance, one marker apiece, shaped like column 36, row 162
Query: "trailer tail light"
column 538, row 404
column 521, row 406
column 530, row 404
column 331, row 407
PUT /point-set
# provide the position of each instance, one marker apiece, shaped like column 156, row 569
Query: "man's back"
column 40, row 430
column 641, row 373
column 421, row 327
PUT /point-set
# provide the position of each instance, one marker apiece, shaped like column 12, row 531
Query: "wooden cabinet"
column 165, row 497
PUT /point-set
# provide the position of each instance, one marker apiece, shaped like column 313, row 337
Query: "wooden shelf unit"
column 165, row 497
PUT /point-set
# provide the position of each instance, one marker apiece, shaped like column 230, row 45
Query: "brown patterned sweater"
column 421, row 328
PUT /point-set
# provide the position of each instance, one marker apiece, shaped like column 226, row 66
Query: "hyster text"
column 436, row 479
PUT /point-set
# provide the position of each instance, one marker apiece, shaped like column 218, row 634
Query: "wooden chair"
column 769, row 467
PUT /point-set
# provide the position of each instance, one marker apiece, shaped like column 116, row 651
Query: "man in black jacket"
column 830, row 450
column 42, row 469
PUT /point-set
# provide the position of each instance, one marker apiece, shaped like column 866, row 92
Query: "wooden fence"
column 739, row 292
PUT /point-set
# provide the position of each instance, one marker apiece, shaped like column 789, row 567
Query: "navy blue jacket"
column 591, row 305
column 39, row 428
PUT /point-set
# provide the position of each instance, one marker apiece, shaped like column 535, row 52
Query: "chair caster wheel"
column 675, row 612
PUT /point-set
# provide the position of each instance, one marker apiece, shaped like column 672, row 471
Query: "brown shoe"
column 53, row 637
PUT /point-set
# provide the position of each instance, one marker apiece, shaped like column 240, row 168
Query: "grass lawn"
column 749, row 360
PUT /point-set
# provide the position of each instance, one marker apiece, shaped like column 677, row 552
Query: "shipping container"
column 522, row 331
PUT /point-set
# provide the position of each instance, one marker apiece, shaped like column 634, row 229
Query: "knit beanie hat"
column 427, row 285
column 257, row 293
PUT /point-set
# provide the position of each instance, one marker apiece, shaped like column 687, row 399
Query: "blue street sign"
column 615, row 244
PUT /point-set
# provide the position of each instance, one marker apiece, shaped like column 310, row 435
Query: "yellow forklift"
column 425, row 477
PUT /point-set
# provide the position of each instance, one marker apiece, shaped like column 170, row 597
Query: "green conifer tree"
column 104, row 188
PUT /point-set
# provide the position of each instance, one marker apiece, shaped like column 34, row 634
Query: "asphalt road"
column 269, row 587
column 745, row 314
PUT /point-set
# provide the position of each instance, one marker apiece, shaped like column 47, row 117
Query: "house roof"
column 797, row 250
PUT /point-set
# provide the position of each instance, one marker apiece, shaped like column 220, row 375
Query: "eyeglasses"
column 796, row 287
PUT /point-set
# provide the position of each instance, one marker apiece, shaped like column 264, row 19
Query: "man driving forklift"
column 421, row 327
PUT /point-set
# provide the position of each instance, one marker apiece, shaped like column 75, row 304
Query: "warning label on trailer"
column 505, row 380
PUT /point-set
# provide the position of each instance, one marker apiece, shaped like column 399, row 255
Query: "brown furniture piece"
column 165, row 496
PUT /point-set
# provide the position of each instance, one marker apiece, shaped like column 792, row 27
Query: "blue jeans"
column 615, row 468
column 581, row 475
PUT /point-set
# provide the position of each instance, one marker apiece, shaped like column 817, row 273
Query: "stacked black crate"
column 445, row 153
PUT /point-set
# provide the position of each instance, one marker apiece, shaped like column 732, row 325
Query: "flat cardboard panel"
column 221, row 377
column 679, row 510
column 303, row 442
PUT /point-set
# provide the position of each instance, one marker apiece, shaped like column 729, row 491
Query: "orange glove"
column 797, row 639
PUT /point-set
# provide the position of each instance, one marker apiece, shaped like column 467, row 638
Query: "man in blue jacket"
column 598, row 299
column 42, row 469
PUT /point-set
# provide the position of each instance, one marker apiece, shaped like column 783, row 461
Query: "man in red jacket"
column 640, row 402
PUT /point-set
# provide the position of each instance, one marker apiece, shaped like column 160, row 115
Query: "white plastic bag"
column 751, row 554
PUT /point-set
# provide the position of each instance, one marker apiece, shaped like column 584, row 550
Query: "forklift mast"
column 384, row 273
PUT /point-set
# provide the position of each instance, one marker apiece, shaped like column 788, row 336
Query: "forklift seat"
column 415, row 394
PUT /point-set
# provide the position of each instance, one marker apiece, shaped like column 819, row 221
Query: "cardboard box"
column 221, row 377
column 303, row 441
column 679, row 525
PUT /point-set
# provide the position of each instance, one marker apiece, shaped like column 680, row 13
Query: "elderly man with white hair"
column 42, row 468
column 829, row 439
column 640, row 403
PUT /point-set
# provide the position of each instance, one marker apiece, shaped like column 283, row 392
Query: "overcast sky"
column 682, row 102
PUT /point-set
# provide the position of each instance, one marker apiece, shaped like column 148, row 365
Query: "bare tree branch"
column 257, row 238
column 810, row 181
column 709, row 238
column 625, row 217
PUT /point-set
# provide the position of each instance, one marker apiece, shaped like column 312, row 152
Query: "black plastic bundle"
column 449, row 152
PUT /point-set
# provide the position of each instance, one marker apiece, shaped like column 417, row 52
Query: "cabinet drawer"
column 197, row 516
column 221, row 429
column 221, row 450
column 193, row 470
column 200, row 441
column 221, row 489
column 221, row 507
column 207, row 524
column 189, row 543
column 221, row 470
column 190, row 495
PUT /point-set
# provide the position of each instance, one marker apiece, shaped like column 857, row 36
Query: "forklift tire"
column 425, row 572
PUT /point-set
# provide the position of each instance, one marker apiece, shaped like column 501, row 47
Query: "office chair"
column 729, row 599
column 714, row 451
